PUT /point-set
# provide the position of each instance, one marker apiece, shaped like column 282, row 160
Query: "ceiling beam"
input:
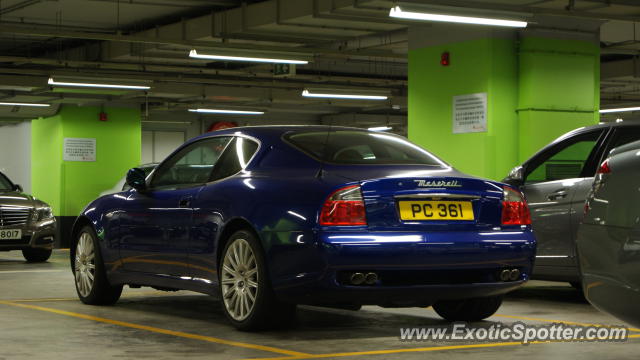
column 200, row 44
column 184, row 73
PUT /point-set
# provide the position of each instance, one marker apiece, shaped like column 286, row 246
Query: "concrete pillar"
column 559, row 89
column 537, row 85
column 68, row 186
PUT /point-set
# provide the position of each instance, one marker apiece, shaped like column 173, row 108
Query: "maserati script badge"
column 438, row 184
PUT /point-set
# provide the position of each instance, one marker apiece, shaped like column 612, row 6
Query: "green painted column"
column 559, row 90
column 537, row 89
column 68, row 186
column 486, row 65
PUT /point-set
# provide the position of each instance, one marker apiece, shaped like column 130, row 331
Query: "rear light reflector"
column 515, row 210
column 344, row 207
column 604, row 168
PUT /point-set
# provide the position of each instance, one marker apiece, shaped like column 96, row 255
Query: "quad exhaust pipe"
column 359, row 278
column 509, row 275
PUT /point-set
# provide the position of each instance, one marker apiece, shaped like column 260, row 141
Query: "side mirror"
column 136, row 179
column 17, row 188
column 515, row 177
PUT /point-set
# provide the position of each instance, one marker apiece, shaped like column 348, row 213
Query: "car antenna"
column 324, row 151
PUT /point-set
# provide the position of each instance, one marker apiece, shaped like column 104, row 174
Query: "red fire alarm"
column 444, row 59
column 103, row 116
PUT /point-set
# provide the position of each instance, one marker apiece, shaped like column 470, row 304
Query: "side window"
column 192, row 165
column 625, row 135
column 568, row 160
column 354, row 153
column 235, row 158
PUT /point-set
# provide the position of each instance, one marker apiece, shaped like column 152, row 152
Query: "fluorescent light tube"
column 307, row 93
column 627, row 109
column 397, row 12
column 97, row 85
column 222, row 111
column 194, row 54
column 380, row 128
column 23, row 104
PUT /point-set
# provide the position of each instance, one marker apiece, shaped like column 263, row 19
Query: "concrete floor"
column 40, row 317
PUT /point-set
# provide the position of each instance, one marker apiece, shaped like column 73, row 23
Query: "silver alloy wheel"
column 85, row 264
column 239, row 279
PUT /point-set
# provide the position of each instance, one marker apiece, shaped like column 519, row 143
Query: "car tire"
column 36, row 255
column 469, row 310
column 248, row 300
column 89, row 273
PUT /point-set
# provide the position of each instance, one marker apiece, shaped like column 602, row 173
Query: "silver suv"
column 26, row 223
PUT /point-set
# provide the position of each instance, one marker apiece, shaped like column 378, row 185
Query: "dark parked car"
column 555, row 182
column 270, row 217
column 609, row 236
column 26, row 223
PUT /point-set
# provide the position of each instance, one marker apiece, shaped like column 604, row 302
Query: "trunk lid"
column 392, row 195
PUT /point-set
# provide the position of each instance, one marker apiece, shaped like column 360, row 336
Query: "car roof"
column 271, row 132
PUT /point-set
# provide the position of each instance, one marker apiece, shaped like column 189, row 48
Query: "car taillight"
column 604, row 168
column 515, row 210
column 344, row 207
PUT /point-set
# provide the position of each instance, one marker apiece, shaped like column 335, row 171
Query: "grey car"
column 26, row 223
column 556, row 181
column 609, row 236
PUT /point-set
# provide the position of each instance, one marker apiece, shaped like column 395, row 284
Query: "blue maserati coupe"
column 269, row 217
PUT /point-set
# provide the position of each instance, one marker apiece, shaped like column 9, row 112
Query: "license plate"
column 11, row 234
column 436, row 210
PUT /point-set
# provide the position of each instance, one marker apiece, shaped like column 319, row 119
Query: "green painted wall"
column 559, row 90
column 537, row 88
column 67, row 185
column 485, row 65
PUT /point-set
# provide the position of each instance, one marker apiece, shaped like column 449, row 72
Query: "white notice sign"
column 79, row 149
column 470, row 113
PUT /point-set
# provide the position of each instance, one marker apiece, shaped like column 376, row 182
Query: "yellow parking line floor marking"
column 394, row 351
column 160, row 330
column 29, row 271
column 559, row 321
column 423, row 349
column 290, row 354
column 127, row 296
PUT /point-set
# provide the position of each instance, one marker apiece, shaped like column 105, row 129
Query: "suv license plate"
column 10, row 234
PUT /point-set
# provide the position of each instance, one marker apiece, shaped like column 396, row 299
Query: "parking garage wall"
column 485, row 65
column 537, row 89
column 68, row 186
column 15, row 152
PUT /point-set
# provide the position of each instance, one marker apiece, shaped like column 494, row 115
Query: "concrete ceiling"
column 353, row 44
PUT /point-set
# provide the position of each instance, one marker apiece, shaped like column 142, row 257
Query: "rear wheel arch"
column 80, row 223
column 230, row 228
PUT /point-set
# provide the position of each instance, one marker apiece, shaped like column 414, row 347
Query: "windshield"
column 352, row 147
column 5, row 184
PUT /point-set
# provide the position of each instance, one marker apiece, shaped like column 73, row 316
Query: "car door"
column 158, row 220
column 551, row 183
column 213, row 206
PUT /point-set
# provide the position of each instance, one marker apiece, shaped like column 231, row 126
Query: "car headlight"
column 43, row 213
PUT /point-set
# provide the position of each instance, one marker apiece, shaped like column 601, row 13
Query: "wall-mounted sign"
column 79, row 149
column 470, row 113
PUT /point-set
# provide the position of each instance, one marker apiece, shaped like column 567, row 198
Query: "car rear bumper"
column 413, row 269
column 40, row 235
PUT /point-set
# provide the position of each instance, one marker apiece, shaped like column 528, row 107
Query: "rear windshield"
column 360, row 147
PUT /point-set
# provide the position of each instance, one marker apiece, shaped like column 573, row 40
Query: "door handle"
column 557, row 195
column 185, row 202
